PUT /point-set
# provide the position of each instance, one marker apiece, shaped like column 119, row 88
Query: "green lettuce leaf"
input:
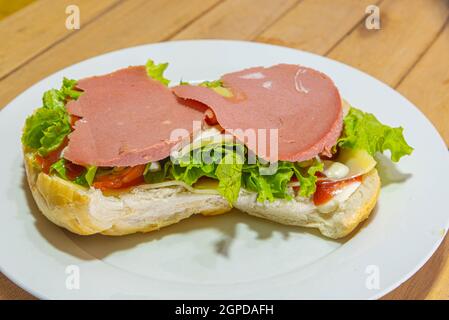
column 59, row 168
column 46, row 129
column 271, row 186
column 278, row 181
column 217, row 86
column 68, row 89
column 156, row 71
column 197, row 163
column 218, row 161
column 363, row 131
column 305, row 173
column 229, row 172
column 274, row 186
column 158, row 176
column 211, row 84
column 257, row 183
column 53, row 99
column 89, row 175
column 84, row 179
column 227, row 163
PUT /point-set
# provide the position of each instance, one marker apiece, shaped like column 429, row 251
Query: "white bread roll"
column 87, row 211
column 139, row 209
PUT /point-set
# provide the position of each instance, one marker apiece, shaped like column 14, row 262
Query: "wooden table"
column 410, row 53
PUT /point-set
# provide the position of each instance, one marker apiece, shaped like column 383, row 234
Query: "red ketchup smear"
column 326, row 189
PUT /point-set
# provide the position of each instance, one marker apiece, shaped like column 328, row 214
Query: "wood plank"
column 34, row 28
column 8, row 7
column 131, row 23
column 408, row 27
column 9, row 291
column 427, row 85
column 237, row 19
column 316, row 25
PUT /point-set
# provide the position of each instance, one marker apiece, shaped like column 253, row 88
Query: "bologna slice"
column 127, row 119
column 301, row 103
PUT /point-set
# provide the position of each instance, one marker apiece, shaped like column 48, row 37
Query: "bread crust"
column 87, row 211
column 77, row 209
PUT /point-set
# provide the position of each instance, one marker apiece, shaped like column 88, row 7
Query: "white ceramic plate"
column 233, row 255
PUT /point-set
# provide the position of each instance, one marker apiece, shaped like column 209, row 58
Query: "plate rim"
column 381, row 292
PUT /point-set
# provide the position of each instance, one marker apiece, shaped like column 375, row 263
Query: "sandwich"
column 125, row 152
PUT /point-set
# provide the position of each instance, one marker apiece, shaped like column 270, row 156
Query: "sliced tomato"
column 47, row 161
column 73, row 171
column 123, row 179
column 320, row 174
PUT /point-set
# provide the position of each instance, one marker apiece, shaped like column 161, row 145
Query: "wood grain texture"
column 8, row 7
column 130, row 23
column 427, row 85
column 316, row 25
column 22, row 40
column 408, row 27
column 236, row 19
column 389, row 54
column 9, row 291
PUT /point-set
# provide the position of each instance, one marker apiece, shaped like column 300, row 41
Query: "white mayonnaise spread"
column 336, row 170
column 340, row 197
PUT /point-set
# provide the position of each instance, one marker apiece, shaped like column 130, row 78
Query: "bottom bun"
column 336, row 224
column 87, row 211
column 140, row 209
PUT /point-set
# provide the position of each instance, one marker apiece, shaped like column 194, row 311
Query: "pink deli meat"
column 127, row 119
column 301, row 103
